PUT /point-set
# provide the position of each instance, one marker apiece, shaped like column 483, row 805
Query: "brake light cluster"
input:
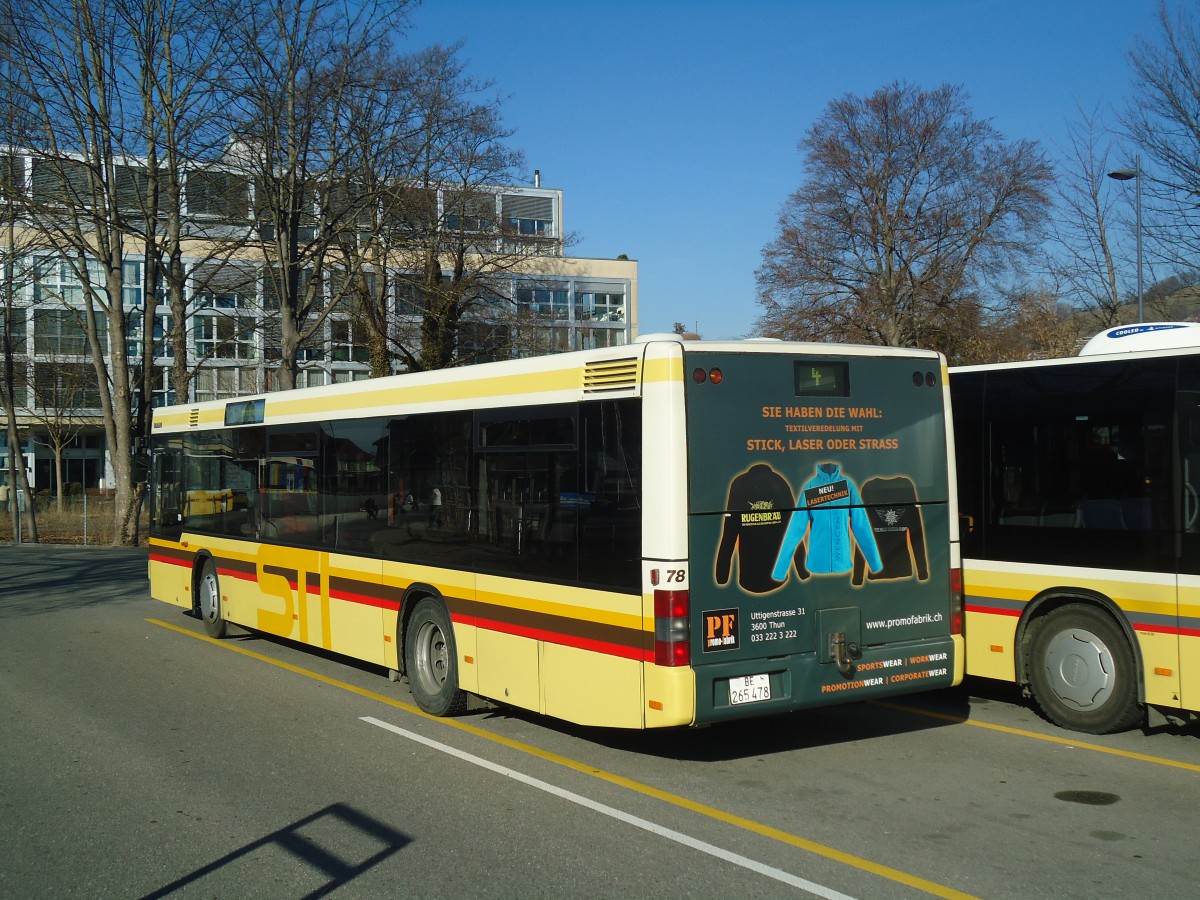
column 672, row 628
column 956, row 601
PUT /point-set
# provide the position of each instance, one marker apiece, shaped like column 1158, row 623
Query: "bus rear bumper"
column 800, row 681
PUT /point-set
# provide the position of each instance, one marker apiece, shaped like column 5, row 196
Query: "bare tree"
column 438, row 224
column 1082, row 259
column 175, row 51
column 70, row 55
column 910, row 201
column 294, row 67
column 13, row 382
column 1163, row 120
column 62, row 392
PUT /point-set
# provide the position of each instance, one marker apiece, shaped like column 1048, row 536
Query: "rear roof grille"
column 193, row 418
column 611, row 375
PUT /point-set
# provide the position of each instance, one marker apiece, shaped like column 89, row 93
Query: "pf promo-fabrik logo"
column 721, row 629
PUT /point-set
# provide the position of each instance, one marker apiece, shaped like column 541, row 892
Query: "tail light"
column 956, row 601
column 672, row 628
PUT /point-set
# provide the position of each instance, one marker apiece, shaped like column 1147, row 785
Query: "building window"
column 312, row 349
column 163, row 390
column 545, row 303
column 60, row 332
column 225, row 337
column 529, row 216
column 349, row 341
column 224, row 287
column 55, row 279
column 532, row 227
column 17, row 340
column 162, row 336
column 218, row 195
column 65, row 387
column 593, row 338
column 342, row 376
column 131, row 284
column 306, row 378
column 61, row 181
column 602, row 307
column 12, row 175
column 215, row 384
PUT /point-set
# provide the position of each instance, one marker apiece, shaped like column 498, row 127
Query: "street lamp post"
column 1136, row 174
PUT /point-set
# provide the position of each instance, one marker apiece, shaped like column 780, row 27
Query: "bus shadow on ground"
column 36, row 579
column 335, row 845
column 830, row 726
column 782, row 733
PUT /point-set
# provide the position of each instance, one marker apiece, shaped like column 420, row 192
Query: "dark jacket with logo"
column 759, row 508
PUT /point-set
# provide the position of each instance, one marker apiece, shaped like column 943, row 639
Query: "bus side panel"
column 591, row 688
column 992, row 612
column 999, row 594
column 1189, row 642
column 170, row 572
column 509, row 669
column 573, row 653
column 348, row 622
column 670, row 691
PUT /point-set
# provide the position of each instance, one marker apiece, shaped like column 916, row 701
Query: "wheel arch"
column 198, row 562
column 1051, row 599
column 413, row 594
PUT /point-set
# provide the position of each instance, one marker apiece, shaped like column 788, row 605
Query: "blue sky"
column 671, row 127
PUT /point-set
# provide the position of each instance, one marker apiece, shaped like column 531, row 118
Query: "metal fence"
column 84, row 518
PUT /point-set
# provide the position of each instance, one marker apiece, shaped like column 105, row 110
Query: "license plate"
column 749, row 689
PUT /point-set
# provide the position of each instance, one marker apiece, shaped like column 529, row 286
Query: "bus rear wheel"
column 208, row 601
column 432, row 660
column 1080, row 669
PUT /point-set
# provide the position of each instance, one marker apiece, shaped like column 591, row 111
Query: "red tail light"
column 672, row 628
column 956, row 601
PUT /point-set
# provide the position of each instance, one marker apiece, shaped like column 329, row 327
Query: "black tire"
column 432, row 660
column 1081, row 671
column 208, row 601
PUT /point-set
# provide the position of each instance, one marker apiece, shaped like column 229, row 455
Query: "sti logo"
column 720, row 629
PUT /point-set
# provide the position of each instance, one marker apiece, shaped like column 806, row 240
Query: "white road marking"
column 737, row 859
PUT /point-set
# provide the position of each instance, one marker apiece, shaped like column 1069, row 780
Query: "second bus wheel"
column 432, row 661
column 1081, row 670
column 208, row 600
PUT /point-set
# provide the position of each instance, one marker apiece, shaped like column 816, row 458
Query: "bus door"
column 819, row 528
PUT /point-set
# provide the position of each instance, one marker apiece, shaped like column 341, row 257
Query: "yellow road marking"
column 1051, row 738
column 710, row 812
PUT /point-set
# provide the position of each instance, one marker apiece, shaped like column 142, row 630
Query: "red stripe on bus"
column 1166, row 629
column 992, row 610
column 171, row 561
column 580, row 643
column 365, row 600
column 239, row 574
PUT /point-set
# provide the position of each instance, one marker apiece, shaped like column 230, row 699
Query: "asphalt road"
column 140, row 759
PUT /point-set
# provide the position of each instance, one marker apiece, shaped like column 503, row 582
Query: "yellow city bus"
column 654, row 535
column 1081, row 560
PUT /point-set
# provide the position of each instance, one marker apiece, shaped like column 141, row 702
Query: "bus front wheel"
column 1081, row 671
column 431, row 660
column 208, row 601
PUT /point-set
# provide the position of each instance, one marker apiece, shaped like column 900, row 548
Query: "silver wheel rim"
column 210, row 601
column 433, row 659
column 1080, row 669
